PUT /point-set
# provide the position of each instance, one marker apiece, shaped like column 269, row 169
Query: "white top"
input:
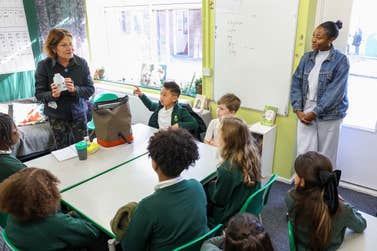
column 213, row 131
column 314, row 74
column 168, row 182
column 164, row 118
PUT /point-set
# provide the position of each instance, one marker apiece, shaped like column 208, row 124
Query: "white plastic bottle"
column 59, row 81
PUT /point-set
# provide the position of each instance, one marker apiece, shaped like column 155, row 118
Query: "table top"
column 73, row 172
column 99, row 199
column 365, row 241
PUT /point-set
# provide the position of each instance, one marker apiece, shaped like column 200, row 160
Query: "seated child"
column 31, row 198
column 8, row 163
column 243, row 233
column 176, row 212
column 167, row 112
column 238, row 174
column 317, row 213
column 227, row 105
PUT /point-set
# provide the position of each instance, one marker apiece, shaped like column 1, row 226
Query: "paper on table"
column 65, row 153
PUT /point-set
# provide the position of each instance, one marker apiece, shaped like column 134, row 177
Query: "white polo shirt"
column 164, row 118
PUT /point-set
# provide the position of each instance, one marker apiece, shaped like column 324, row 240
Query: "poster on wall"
column 16, row 54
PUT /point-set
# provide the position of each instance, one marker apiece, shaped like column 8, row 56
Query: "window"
column 362, row 51
column 149, row 42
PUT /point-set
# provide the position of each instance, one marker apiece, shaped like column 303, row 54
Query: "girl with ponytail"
column 244, row 233
column 238, row 174
column 319, row 217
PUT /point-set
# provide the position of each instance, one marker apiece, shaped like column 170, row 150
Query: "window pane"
column 147, row 44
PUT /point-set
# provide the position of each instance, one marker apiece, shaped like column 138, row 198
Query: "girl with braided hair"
column 319, row 216
column 244, row 233
column 8, row 163
column 238, row 174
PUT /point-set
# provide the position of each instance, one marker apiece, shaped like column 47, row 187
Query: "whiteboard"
column 254, row 50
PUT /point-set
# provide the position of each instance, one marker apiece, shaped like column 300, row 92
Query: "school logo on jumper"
column 175, row 118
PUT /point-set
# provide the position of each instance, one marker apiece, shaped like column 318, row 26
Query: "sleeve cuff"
column 317, row 110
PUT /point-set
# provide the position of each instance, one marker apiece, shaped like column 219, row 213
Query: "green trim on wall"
column 21, row 84
column 285, row 148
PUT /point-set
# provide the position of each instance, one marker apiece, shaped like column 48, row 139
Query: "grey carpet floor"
column 274, row 213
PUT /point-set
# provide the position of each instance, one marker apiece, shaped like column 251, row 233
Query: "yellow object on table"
column 92, row 147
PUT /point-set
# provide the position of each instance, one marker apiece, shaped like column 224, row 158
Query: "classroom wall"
column 285, row 148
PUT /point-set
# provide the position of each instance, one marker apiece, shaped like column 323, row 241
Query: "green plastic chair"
column 7, row 242
column 195, row 245
column 99, row 98
column 291, row 237
column 255, row 203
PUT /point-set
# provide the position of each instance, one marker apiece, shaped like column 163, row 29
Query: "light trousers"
column 320, row 136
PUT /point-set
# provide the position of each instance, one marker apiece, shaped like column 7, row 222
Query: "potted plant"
column 101, row 73
column 198, row 85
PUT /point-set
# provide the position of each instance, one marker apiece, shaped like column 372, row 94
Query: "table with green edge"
column 73, row 172
column 99, row 199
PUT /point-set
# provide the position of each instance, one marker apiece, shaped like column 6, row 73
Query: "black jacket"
column 70, row 106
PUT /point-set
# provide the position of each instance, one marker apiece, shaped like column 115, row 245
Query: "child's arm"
column 78, row 232
column 209, row 133
column 354, row 220
column 219, row 192
column 186, row 120
column 213, row 244
column 149, row 104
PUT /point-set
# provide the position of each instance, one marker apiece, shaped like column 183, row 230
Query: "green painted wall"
column 285, row 148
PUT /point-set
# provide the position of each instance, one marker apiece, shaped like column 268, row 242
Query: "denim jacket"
column 332, row 101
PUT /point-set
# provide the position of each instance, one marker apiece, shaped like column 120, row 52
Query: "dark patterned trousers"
column 68, row 132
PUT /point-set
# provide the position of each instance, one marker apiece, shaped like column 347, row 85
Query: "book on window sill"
column 201, row 103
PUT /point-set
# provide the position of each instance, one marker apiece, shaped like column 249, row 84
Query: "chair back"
column 202, row 128
column 195, row 244
column 291, row 237
column 255, row 203
column 7, row 242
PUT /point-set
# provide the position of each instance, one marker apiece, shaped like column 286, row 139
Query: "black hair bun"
column 339, row 24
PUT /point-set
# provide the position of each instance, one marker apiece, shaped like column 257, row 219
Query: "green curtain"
column 21, row 84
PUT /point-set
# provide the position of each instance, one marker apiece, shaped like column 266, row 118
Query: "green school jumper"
column 346, row 217
column 179, row 115
column 228, row 193
column 8, row 166
column 168, row 218
column 55, row 232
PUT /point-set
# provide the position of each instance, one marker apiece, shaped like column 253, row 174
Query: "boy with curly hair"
column 176, row 212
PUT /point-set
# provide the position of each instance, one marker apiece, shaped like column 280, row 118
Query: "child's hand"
column 138, row 92
column 213, row 143
column 175, row 126
column 55, row 91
